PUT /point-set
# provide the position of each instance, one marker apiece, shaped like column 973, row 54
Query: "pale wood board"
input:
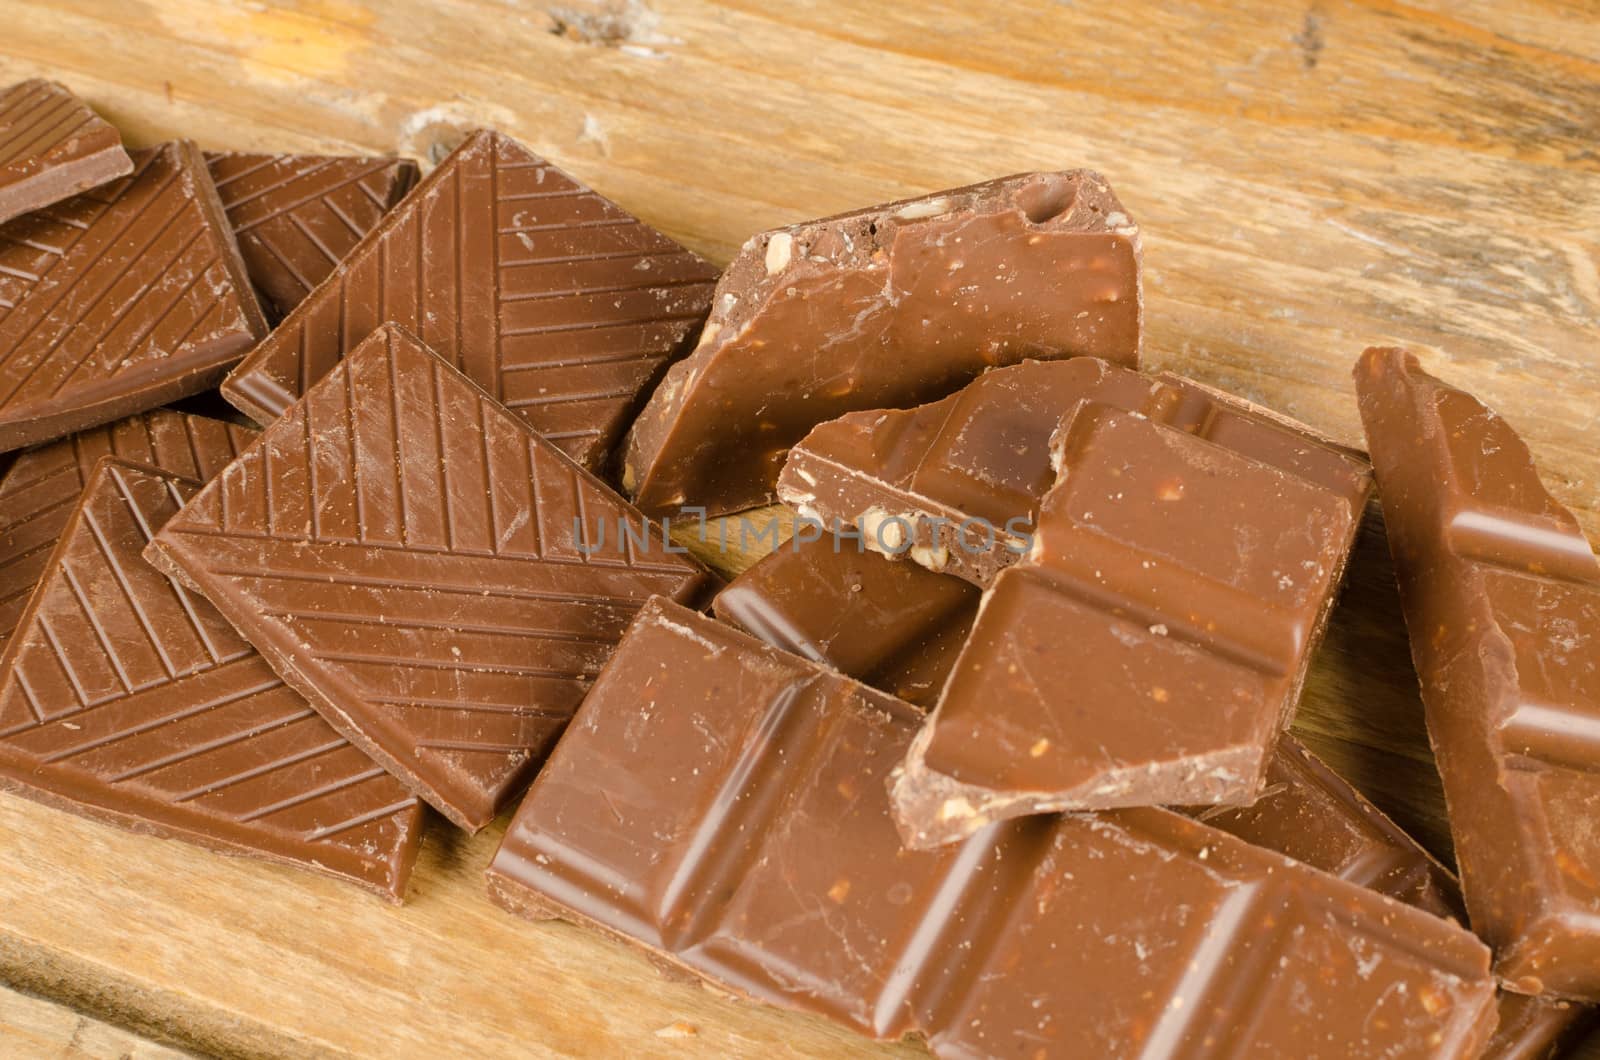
column 34, row 1027
column 1311, row 178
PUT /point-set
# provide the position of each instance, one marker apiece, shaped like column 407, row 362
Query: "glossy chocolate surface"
column 744, row 833
column 1150, row 647
column 955, row 484
column 562, row 305
column 120, row 299
column 52, row 146
column 883, row 308
column 425, row 569
column 127, row 698
column 297, row 216
column 1501, row 593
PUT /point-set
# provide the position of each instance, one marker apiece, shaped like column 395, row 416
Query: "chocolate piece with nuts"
column 955, row 485
column 772, row 867
column 1150, row 647
column 884, row 307
column 1501, row 593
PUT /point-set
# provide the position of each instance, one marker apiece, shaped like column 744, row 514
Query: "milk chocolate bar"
column 297, row 216
column 38, row 491
column 773, row 868
column 119, row 300
column 1150, row 647
column 1501, row 593
column 891, row 625
column 561, row 304
column 955, row 485
column 52, row 146
column 882, row 308
column 437, row 579
column 128, row 699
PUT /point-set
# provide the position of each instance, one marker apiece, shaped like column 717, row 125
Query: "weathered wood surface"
column 1311, row 179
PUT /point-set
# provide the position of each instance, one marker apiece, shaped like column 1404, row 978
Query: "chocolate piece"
column 773, row 867
column 857, row 613
column 884, row 307
column 119, row 300
column 1537, row 1028
column 52, row 146
column 403, row 551
column 892, row 625
column 1315, row 816
column 38, row 491
column 955, row 485
column 1150, row 647
column 128, row 699
column 1501, row 594
column 562, row 305
column 297, row 216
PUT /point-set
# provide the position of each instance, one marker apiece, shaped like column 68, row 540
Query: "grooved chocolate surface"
column 554, row 299
column 1501, row 593
column 297, row 216
column 119, row 300
column 1150, row 647
column 773, row 867
column 881, row 308
column 408, row 555
column 955, row 484
column 39, row 490
column 52, row 146
column 129, row 699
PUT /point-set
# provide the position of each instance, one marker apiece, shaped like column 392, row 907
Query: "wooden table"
column 1310, row 178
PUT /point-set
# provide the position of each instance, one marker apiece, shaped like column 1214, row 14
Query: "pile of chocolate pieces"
column 992, row 752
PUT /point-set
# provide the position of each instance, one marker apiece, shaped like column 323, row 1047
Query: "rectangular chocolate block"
column 891, row 625
column 773, row 868
column 437, row 579
column 39, row 489
column 128, row 699
column 955, row 484
column 1150, row 647
column 1501, row 593
column 882, row 308
column 297, row 216
column 52, row 146
column 119, row 300
column 559, row 303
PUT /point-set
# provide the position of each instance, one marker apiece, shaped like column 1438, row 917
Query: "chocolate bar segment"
column 52, row 146
column 955, row 485
column 1537, row 1028
column 562, row 305
column 891, row 625
column 38, row 491
column 297, row 216
column 437, row 579
column 119, row 300
column 126, row 698
column 774, row 869
column 883, row 308
column 1151, row 646
column 1501, row 593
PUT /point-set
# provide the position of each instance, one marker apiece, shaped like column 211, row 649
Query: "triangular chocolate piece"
column 297, row 216
column 52, row 146
column 127, row 698
column 562, row 305
column 39, row 490
column 119, row 300
column 440, row 581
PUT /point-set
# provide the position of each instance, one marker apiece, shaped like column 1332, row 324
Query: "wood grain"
column 1311, row 178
